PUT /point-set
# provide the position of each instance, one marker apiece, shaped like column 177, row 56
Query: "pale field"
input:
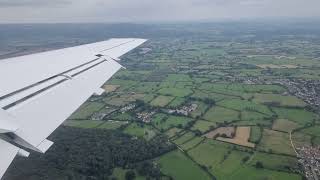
column 110, row 88
column 228, row 131
column 241, row 137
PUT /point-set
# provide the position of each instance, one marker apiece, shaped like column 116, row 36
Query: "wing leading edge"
column 35, row 101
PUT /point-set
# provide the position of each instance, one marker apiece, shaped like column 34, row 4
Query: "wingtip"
column 144, row 40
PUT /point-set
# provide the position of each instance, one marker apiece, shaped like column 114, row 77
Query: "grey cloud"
column 31, row 3
column 151, row 10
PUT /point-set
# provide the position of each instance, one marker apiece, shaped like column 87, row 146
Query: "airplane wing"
column 39, row 91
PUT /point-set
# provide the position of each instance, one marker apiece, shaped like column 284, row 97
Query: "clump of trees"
column 209, row 101
column 259, row 165
column 245, row 159
column 130, row 175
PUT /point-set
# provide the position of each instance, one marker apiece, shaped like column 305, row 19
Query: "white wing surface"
column 8, row 152
column 38, row 92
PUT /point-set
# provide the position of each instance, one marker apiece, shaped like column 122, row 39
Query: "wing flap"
column 44, row 146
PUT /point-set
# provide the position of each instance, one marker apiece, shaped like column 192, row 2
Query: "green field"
column 178, row 92
column 299, row 116
column 123, row 99
column 315, row 141
column 177, row 102
column 214, row 87
column 277, row 142
column 301, row 140
column 243, row 105
column 312, row 131
column 112, row 124
column 253, row 123
column 200, row 79
column 123, row 116
column 163, row 123
column 285, row 125
column 246, row 88
column 86, row 110
column 201, row 153
column 230, row 165
column 178, row 77
column 203, row 126
column 264, row 88
column 288, row 101
column 220, row 114
column 192, row 143
column 202, row 94
column 173, row 132
column 148, row 98
column 225, row 163
column 259, row 174
column 140, row 130
column 220, row 89
column 184, row 138
column 146, row 87
column 161, row 101
column 222, row 163
column 187, row 170
column 83, row 123
column 254, row 117
column 124, row 84
column 167, row 84
column 274, row 162
column 255, row 134
column 184, row 84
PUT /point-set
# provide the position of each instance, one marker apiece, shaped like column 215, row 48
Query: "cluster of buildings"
column 98, row 116
column 248, row 80
column 127, row 108
column 184, row 110
column 145, row 50
column 145, row 116
column 307, row 90
column 309, row 158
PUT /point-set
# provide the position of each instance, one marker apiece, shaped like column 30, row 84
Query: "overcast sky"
column 52, row 11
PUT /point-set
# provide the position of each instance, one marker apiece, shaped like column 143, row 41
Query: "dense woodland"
column 89, row 154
